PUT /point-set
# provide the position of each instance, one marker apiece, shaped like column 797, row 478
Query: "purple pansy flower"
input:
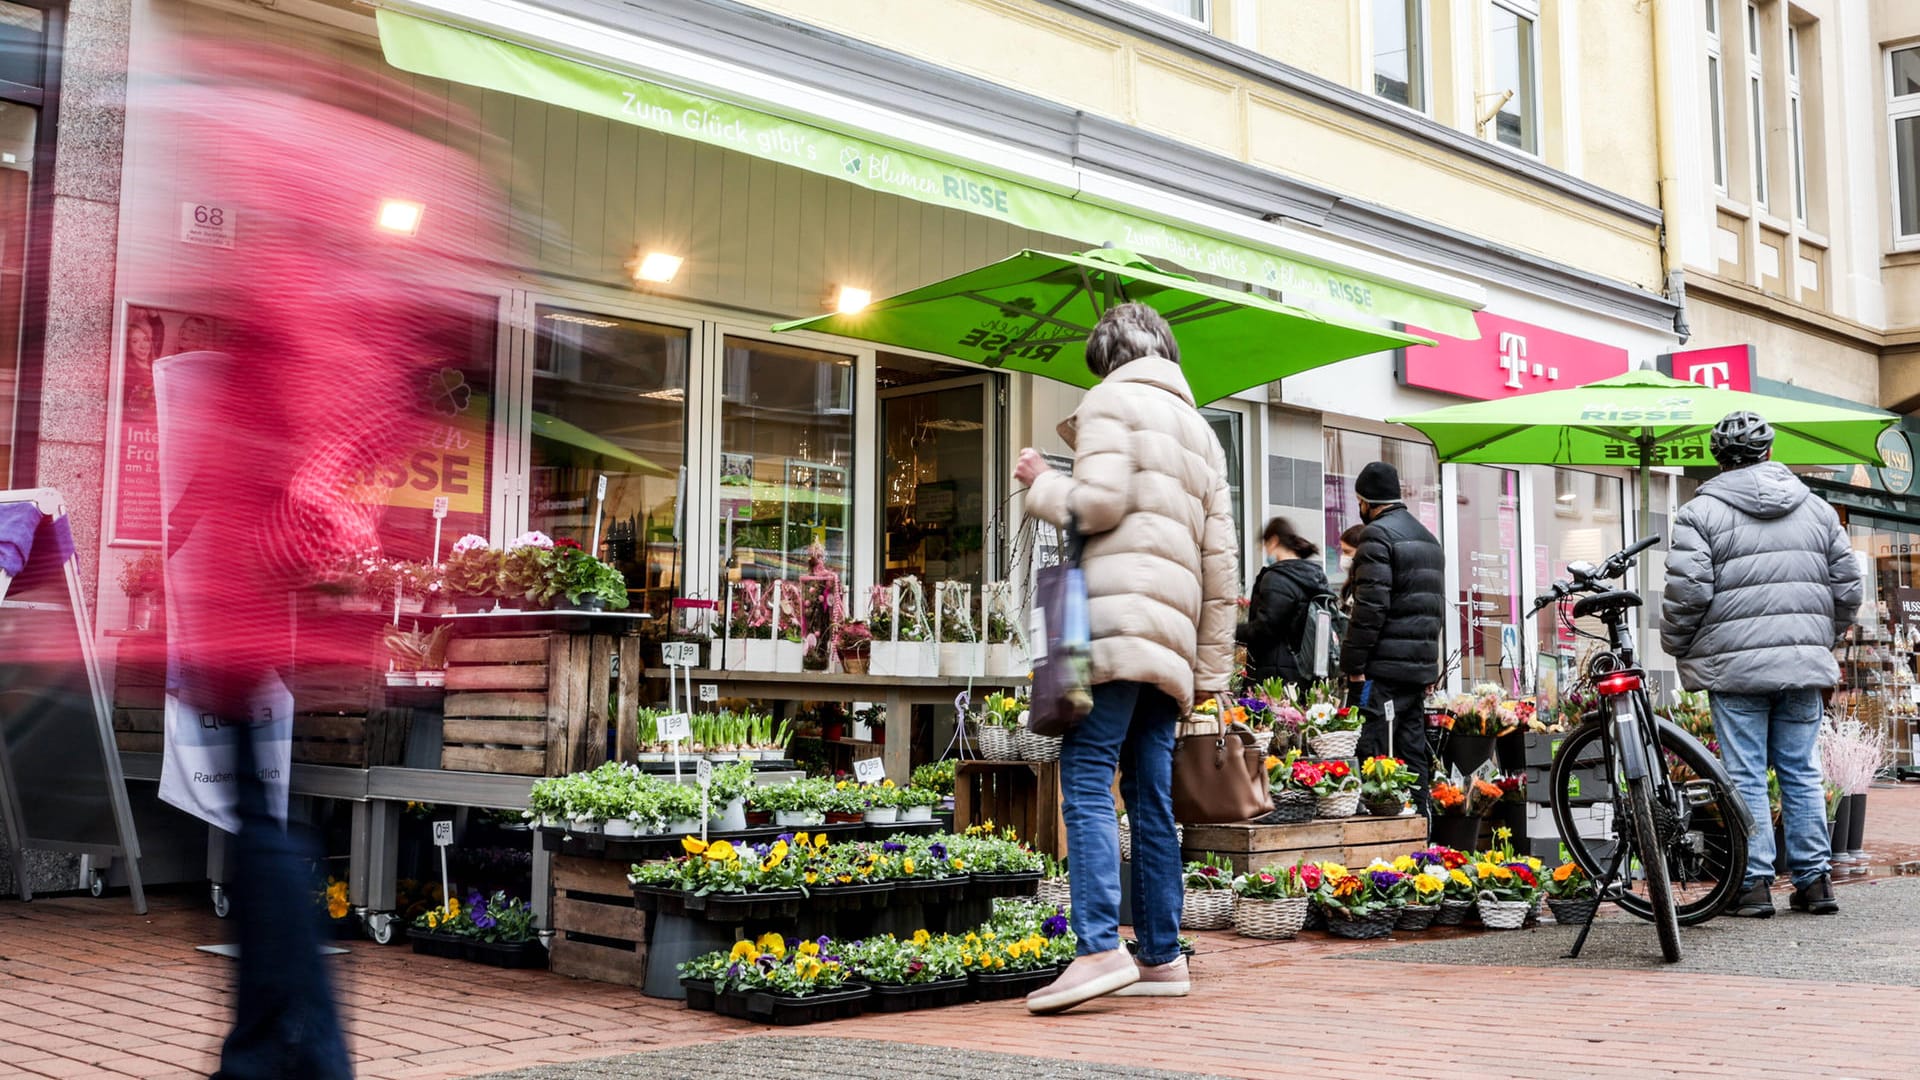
column 1054, row 925
column 1385, row 879
column 893, row 848
column 938, row 851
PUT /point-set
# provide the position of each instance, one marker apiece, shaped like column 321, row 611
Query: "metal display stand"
column 61, row 787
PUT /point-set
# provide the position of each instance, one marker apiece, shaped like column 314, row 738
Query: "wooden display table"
column 1350, row 842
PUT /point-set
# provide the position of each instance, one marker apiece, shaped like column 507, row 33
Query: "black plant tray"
column 719, row 907
column 931, row 890
column 667, row 846
column 988, row 886
column 1003, row 985
column 933, row 995
column 520, row 954
column 848, row 1001
column 869, row 897
column 700, row 995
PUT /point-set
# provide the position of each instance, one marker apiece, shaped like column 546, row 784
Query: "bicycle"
column 1674, row 849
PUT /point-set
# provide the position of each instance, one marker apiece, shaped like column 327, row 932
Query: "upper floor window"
column 1903, row 120
column 1756, row 106
column 1400, row 52
column 1514, row 42
column 1190, row 10
column 1716, row 102
column 1796, row 126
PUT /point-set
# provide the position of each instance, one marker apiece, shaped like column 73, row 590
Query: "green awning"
column 443, row 52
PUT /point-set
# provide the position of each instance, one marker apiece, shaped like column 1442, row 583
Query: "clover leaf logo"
column 850, row 161
column 448, row 392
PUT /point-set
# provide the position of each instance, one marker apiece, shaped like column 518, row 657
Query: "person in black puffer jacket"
column 1293, row 575
column 1392, row 649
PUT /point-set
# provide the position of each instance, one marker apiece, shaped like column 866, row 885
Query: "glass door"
column 1489, row 574
column 936, row 472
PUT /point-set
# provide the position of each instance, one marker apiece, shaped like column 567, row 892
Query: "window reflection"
column 786, row 464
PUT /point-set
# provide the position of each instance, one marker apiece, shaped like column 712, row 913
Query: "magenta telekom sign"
column 1728, row 367
column 1511, row 358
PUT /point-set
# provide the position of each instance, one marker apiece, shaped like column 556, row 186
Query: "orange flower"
column 1347, row 886
column 1565, row 871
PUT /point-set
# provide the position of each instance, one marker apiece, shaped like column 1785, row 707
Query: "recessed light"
column 852, row 300
column 671, row 393
column 657, row 266
column 400, row 216
column 567, row 317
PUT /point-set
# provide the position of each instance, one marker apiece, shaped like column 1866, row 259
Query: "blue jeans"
column 1130, row 728
column 1781, row 729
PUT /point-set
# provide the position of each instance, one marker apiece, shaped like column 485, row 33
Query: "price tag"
column 703, row 772
column 442, row 833
column 709, row 691
column 439, row 507
column 674, row 727
column 680, row 653
column 1386, row 710
column 600, row 490
column 869, row 770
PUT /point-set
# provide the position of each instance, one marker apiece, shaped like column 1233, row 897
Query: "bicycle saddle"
column 1605, row 603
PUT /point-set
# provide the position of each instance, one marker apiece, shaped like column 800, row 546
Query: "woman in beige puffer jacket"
column 1149, row 494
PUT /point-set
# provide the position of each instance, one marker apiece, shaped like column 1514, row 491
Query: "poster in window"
column 147, row 334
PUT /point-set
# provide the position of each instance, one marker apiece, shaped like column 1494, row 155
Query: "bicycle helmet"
column 1741, row 438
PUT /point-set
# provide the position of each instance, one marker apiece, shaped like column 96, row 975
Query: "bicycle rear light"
column 1620, row 682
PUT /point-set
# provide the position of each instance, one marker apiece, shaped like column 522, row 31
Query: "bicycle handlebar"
column 1589, row 580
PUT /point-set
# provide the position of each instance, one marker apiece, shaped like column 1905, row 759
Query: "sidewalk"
column 94, row 991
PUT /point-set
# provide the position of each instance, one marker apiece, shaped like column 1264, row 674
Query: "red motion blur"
column 335, row 322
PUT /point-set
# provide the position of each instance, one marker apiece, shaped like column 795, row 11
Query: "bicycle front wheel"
column 1706, row 846
column 1659, row 886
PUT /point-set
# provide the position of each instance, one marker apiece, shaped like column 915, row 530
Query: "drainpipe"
column 1668, row 155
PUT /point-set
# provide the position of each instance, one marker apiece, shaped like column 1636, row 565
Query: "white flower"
column 470, row 542
column 1320, row 713
column 530, row 539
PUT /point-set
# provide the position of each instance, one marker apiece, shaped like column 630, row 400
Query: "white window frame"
column 1422, row 79
column 1796, row 126
column 1756, row 94
column 1528, row 10
column 1203, row 20
column 1716, row 97
column 1905, row 107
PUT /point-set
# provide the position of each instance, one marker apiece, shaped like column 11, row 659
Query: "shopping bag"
column 1062, row 642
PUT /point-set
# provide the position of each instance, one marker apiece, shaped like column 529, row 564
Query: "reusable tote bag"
column 1062, row 643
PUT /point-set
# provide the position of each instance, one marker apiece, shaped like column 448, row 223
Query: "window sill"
column 1737, row 209
column 1813, row 239
column 1902, row 256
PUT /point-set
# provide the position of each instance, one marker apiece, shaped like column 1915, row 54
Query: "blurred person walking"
column 1391, row 653
column 1282, row 594
column 1761, row 584
column 1148, row 492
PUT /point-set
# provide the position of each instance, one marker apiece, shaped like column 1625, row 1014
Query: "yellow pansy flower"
column 812, row 877
column 744, row 950
column 693, row 844
column 906, row 864
column 820, row 841
column 721, row 851
column 774, row 944
column 809, row 948
column 921, row 937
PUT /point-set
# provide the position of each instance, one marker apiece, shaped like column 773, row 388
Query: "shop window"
column 1580, row 522
column 1903, row 119
column 1231, row 429
column 1487, row 552
column 455, row 458
column 935, row 471
column 1514, row 42
column 1347, row 452
column 23, row 70
column 1877, row 669
column 786, row 462
column 1716, row 103
column 1400, row 52
column 609, row 399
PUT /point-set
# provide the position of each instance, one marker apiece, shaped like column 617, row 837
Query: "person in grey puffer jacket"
column 1761, row 583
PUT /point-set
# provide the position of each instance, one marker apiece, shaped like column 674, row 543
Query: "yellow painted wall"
column 1617, row 143
column 1316, row 37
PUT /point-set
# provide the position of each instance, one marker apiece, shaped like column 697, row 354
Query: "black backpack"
column 1316, row 648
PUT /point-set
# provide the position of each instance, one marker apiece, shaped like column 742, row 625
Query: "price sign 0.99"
column 869, row 770
column 674, row 727
column 680, row 653
column 442, row 833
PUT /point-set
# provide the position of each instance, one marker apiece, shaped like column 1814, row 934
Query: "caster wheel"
column 97, row 884
column 380, row 929
column 222, row 905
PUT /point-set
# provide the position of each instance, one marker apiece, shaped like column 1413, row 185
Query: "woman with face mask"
column 1349, row 543
column 1293, row 576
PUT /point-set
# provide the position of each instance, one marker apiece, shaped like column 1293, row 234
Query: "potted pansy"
column 1270, row 903
column 917, row 803
column 1207, row 894
column 919, row 972
column 881, row 802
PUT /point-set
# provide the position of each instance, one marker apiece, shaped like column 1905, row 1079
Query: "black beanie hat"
column 1379, row 482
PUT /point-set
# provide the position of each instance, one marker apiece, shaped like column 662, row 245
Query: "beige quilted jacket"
column 1149, row 493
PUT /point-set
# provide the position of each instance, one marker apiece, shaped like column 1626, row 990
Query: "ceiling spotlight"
column 852, row 300
column 400, row 216
column 657, row 266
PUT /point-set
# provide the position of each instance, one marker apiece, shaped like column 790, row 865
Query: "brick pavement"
column 93, row 991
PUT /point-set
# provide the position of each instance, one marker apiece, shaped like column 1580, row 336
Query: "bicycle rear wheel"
column 1659, row 887
column 1706, row 851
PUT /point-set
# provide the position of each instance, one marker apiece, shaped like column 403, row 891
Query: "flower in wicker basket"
column 1271, row 903
column 1336, row 790
column 1355, row 904
column 1332, row 726
column 1507, row 893
column 1207, row 903
column 1570, row 894
column 1385, row 785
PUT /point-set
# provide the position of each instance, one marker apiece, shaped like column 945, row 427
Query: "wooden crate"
column 1024, row 795
column 340, row 717
column 598, row 933
column 140, row 694
column 537, row 703
column 1348, row 841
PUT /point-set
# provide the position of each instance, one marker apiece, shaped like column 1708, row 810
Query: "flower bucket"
column 1055, row 892
column 1343, row 805
column 584, row 827
column 1271, row 920
column 1206, row 909
column 1453, row 912
column 684, row 825
column 1503, row 914
column 883, row 658
column 621, row 828
column 1334, row 744
column 402, row 678
column 1291, row 806
column 855, row 665
column 1417, row 916
column 430, row 678
column 916, row 813
column 996, row 743
column 1006, row 661
column 788, row 819
column 1573, row 912
column 1385, row 807
column 412, row 605
column 1032, row 746
column 1377, row 925
column 731, row 818
column 962, row 660
column 882, row 815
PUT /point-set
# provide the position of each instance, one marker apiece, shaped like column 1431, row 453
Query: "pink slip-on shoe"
column 1163, row 980
column 1088, row 977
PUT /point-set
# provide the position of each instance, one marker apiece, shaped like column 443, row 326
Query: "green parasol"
column 554, row 429
column 1642, row 418
column 1032, row 313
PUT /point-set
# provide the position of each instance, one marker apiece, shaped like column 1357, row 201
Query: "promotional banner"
column 442, row 52
column 200, row 750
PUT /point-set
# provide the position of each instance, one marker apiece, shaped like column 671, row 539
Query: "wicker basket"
column 1316, row 918
column 1417, row 916
column 1334, row 744
column 1573, row 912
column 1035, row 747
column 1274, row 920
column 1345, row 804
column 1126, row 839
column 1453, row 912
column 1503, row 914
column 1055, row 892
column 1291, row 806
column 1385, row 807
column 1206, row 909
column 996, row 743
column 1377, row 925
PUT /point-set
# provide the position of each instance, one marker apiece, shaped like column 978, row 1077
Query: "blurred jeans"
column 1780, row 729
column 284, row 1023
column 1131, row 727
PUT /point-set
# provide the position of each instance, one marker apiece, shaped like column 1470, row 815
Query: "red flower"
column 1523, row 872
column 564, row 542
column 1306, row 773
column 1309, row 875
column 1266, row 879
column 1338, row 770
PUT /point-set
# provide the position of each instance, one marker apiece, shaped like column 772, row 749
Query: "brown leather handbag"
column 1219, row 774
